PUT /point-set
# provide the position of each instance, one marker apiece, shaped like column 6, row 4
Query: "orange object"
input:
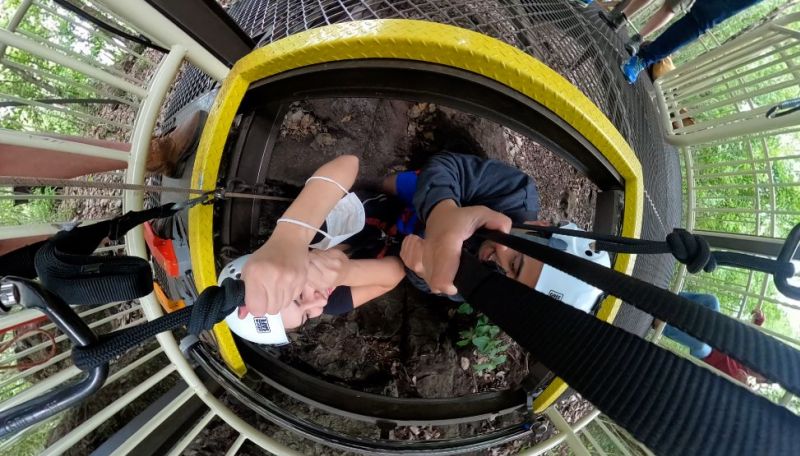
column 167, row 304
column 162, row 250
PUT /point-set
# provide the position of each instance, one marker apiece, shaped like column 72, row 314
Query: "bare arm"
column 276, row 272
column 318, row 197
column 367, row 279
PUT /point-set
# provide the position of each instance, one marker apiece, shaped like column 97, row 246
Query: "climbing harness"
column 631, row 380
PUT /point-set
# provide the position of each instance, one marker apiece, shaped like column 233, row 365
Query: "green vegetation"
column 484, row 339
column 32, row 78
column 35, row 211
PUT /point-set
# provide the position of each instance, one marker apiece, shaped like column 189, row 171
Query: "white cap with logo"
column 266, row 330
column 564, row 287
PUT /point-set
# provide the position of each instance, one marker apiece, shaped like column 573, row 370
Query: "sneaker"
column 633, row 45
column 632, row 68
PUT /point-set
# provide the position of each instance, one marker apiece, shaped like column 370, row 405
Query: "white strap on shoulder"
column 304, row 225
column 328, row 179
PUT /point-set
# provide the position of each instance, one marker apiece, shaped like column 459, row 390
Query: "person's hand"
column 275, row 274
column 446, row 229
column 411, row 253
column 326, row 268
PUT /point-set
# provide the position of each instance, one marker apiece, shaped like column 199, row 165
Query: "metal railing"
column 727, row 91
column 55, row 68
column 738, row 165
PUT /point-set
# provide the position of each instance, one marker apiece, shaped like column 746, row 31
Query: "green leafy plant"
column 484, row 338
column 465, row 309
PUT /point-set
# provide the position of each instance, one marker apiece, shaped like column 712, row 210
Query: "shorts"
column 679, row 6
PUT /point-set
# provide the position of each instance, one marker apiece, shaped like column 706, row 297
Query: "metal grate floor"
column 573, row 41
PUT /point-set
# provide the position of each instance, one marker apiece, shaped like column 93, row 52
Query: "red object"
column 162, row 250
column 758, row 317
column 726, row 364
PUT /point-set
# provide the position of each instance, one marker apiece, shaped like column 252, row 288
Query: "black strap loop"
column 211, row 307
column 66, row 266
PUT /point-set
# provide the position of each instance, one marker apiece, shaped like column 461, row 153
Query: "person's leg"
column 684, row 31
column 657, row 21
column 697, row 348
column 704, row 299
column 634, row 6
column 701, row 17
column 679, row 34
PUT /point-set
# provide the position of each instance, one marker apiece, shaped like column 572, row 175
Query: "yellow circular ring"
column 408, row 40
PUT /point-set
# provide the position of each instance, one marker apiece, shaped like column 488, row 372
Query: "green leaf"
column 480, row 342
column 494, row 330
column 465, row 309
column 479, row 368
column 500, row 359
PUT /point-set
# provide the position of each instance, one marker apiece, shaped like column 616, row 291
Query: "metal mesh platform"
column 571, row 40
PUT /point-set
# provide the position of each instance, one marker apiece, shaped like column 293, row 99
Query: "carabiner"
column 206, row 198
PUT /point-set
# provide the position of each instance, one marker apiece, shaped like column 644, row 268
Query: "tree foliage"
column 28, row 77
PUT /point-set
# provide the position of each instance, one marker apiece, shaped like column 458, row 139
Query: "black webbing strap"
column 688, row 248
column 83, row 239
column 66, row 266
column 765, row 355
column 212, row 306
column 20, row 262
column 666, row 402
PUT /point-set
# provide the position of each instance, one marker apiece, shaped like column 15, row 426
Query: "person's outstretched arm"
column 369, row 279
column 366, row 279
column 276, row 272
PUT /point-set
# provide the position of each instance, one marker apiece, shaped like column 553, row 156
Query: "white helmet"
column 261, row 330
column 564, row 287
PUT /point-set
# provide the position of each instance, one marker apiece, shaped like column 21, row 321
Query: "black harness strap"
column 666, row 402
column 765, row 355
column 20, row 262
column 66, row 266
column 211, row 307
